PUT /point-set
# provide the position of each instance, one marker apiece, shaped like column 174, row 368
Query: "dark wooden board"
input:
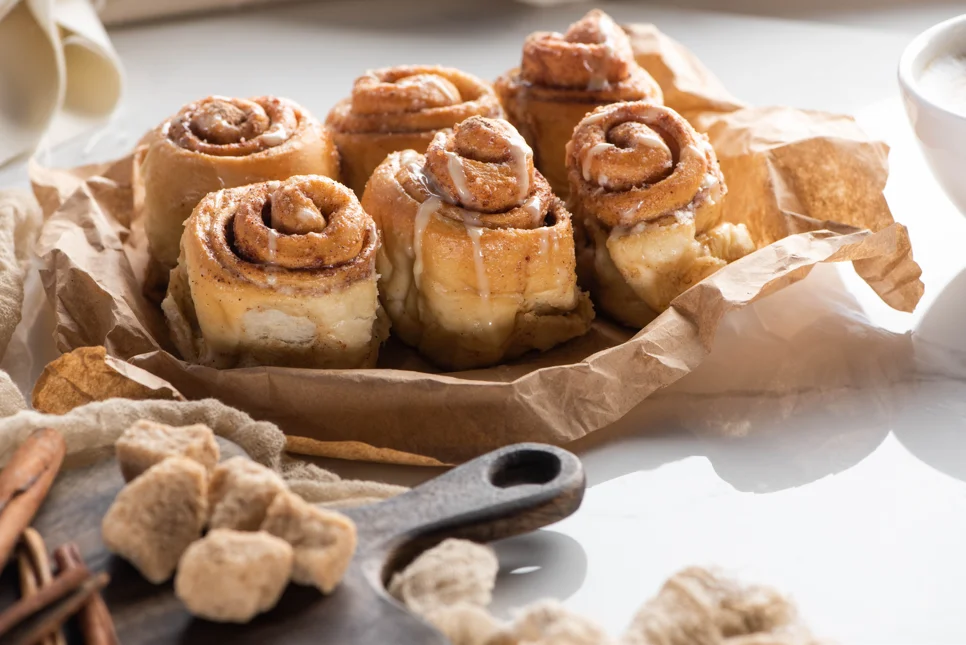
column 504, row 493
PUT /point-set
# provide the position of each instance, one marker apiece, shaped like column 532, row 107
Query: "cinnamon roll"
column 562, row 77
column 217, row 143
column 402, row 108
column 278, row 273
column 645, row 189
column 477, row 264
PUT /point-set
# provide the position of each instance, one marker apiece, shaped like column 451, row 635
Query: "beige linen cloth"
column 58, row 73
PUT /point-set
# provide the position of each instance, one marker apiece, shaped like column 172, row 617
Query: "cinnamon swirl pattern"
column 645, row 189
column 402, row 108
column 278, row 273
column 217, row 143
column 562, row 77
column 477, row 264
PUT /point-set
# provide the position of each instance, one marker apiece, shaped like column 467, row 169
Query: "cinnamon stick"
column 95, row 620
column 63, row 585
column 24, row 483
column 31, row 626
column 35, row 573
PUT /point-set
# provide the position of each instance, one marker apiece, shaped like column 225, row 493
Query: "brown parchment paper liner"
column 91, row 430
column 808, row 182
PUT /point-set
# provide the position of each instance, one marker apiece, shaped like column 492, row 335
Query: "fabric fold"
column 56, row 60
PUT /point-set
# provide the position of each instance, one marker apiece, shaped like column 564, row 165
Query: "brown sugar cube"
column 155, row 517
column 453, row 572
column 240, row 493
column 146, row 443
column 548, row 622
column 324, row 541
column 231, row 576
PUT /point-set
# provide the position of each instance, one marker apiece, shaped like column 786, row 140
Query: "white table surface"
column 822, row 446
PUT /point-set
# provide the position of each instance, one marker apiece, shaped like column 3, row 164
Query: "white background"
column 822, row 446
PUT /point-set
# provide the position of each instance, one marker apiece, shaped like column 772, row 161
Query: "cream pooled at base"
column 278, row 273
column 477, row 265
column 645, row 190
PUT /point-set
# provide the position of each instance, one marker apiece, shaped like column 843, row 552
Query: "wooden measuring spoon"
column 507, row 492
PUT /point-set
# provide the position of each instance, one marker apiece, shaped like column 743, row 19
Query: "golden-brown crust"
column 402, row 108
column 278, row 273
column 234, row 127
column 629, row 163
column 486, row 167
column 645, row 189
column 317, row 261
column 470, row 288
column 412, row 98
column 312, row 223
column 594, row 54
column 562, row 77
column 208, row 146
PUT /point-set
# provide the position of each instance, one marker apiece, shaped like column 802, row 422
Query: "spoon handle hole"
column 529, row 466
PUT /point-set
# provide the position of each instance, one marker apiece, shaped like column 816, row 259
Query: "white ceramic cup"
column 941, row 132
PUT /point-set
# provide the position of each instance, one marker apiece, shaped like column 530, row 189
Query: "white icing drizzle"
column 589, row 157
column 275, row 135
column 425, row 212
column 166, row 128
column 454, row 166
column 559, row 271
column 272, row 245
column 594, row 118
column 306, row 215
column 470, row 218
column 518, row 157
column 482, row 282
column 446, row 88
column 631, row 211
column 701, row 147
column 644, row 139
column 598, row 81
column 545, row 234
column 272, row 254
column 272, row 187
column 408, row 157
column 518, row 153
column 681, row 216
column 534, row 207
column 650, row 139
